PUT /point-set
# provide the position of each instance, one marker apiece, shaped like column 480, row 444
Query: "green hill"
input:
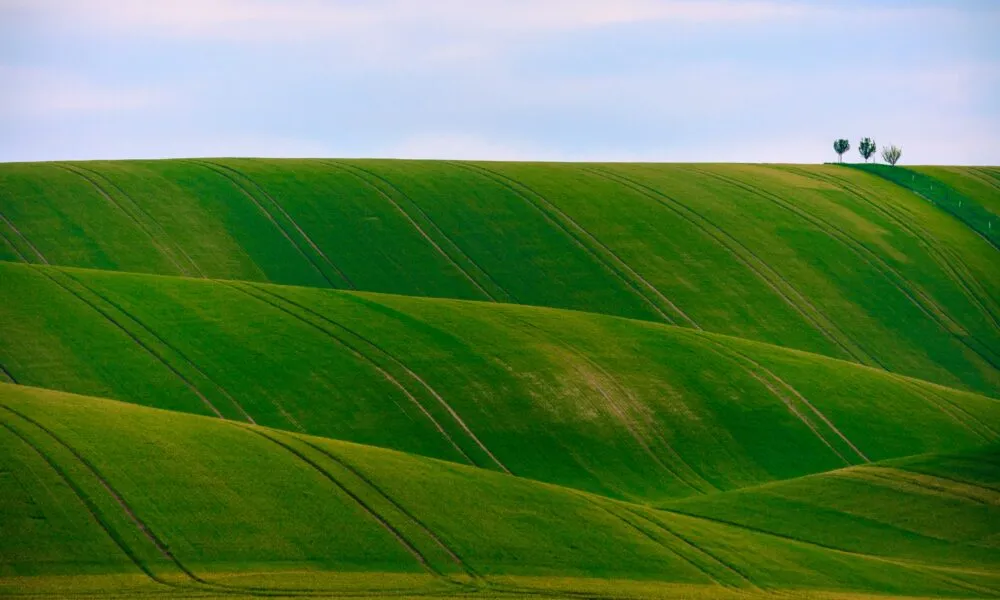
column 243, row 378
column 625, row 408
column 154, row 501
column 824, row 259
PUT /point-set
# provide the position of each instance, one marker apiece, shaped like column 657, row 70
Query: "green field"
column 326, row 378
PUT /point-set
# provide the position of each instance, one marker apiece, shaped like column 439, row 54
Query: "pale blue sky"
column 652, row 80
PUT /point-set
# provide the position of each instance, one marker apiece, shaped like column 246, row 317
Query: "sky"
column 559, row 80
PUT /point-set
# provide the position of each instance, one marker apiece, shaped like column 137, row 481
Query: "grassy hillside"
column 824, row 259
column 101, row 494
column 625, row 408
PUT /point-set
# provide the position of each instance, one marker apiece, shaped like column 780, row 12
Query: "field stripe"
column 127, row 510
column 764, row 272
column 697, row 548
column 232, row 180
column 546, row 337
column 12, row 246
column 382, row 493
column 942, row 401
column 354, row 170
column 137, row 341
column 926, row 482
column 740, row 356
column 918, row 298
column 18, row 233
column 156, row 224
column 919, row 567
column 229, row 172
column 923, row 237
column 360, row 356
column 405, row 543
column 236, row 404
column 91, row 508
column 89, row 177
column 395, row 360
column 586, row 241
column 7, row 374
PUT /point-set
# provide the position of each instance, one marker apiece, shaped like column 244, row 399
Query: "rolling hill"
column 824, row 259
column 415, row 379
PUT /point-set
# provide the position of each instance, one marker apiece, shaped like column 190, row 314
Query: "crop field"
column 246, row 378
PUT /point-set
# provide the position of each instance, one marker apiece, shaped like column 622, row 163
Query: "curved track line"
column 89, row 178
column 220, row 168
column 923, row 237
column 940, row 405
column 897, row 562
column 663, row 527
column 378, row 490
column 861, row 250
column 363, row 358
column 7, row 374
column 91, row 508
column 138, row 342
column 564, row 222
column 773, row 282
column 218, row 171
column 17, row 231
column 127, row 510
column 392, row 358
column 16, row 250
column 352, row 170
column 236, row 404
column 912, row 479
column 775, row 378
column 360, row 502
column 619, row 411
column 148, row 215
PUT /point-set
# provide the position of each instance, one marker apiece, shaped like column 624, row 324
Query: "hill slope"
column 111, row 495
column 625, row 408
column 829, row 260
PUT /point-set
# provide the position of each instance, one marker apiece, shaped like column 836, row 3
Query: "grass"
column 823, row 259
column 626, row 408
column 418, row 379
column 163, row 488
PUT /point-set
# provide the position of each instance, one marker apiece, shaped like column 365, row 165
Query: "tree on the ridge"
column 840, row 147
column 891, row 154
column 867, row 148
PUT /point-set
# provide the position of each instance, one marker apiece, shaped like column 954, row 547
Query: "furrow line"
column 932, row 310
column 905, row 477
column 17, row 231
column 353, row 171
column 88, row 504
column 378, row 490
column 921, row 235
column 395, row 360
column 7, row 374
column 898, row 562
column 89, row 178
column 406, row 544
column 620, row 412
column 138, row 342
column 290, row 219
column 363, row 358
column 940, row 404
column 612, row 263
column 236, row 404
column 759, row 267
column 986, row 177
column 141, row 525
column 778, row 380
column 218, row 171
column 16, row 250
column 663, row 527
column 711, row 576
column 156, row 224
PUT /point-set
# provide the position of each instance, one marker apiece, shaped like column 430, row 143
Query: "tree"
column 867, row 148
column 891, row 154
column 840, row 146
